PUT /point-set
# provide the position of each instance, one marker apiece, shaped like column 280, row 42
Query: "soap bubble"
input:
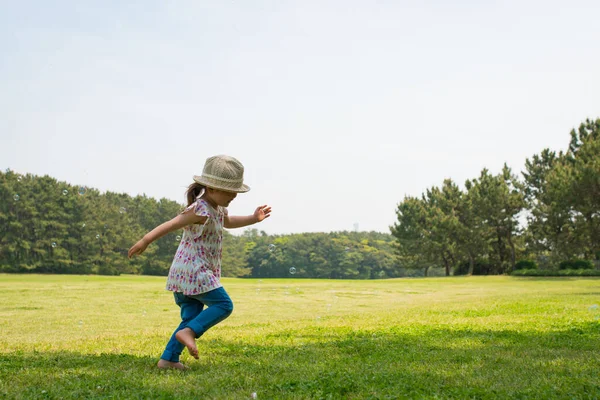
column 594, row 310
column 292, row 270
column 65, row 192
column 271, row 247
column 16, row 197
column 98, row 236
column 178, row 238
column 53, row 244
column 81, row 190
column 122, row 210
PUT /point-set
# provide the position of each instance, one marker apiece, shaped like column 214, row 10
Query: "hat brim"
column 241, row 189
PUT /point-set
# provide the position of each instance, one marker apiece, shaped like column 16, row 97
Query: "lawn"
column 93, row 337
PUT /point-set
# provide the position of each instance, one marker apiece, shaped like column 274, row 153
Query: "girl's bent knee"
column 227, row 306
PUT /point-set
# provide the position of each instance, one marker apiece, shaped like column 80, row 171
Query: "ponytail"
column 193, row 191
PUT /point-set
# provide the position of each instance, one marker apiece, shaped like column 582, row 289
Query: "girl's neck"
column 209, row 201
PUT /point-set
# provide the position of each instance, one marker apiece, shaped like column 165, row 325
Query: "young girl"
column 195, row 274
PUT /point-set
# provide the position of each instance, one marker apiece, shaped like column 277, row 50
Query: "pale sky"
column 337, row 109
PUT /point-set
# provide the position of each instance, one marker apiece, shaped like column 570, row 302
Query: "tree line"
column 47, row 226
column 549, row 217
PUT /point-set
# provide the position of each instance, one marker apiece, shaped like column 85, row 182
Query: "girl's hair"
column 193, row 191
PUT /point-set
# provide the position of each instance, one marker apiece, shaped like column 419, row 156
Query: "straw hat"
column 224, row 173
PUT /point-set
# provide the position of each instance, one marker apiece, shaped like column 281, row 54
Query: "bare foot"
column 164, row 364
column 187, row 338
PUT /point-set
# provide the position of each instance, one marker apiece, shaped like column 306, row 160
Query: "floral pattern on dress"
column 196, row 267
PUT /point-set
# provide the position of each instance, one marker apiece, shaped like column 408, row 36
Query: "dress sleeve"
column 201, row 209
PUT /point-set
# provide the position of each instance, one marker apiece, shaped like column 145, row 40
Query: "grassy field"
column 90, row 337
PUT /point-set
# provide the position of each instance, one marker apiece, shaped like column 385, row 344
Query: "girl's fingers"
column 134, row 251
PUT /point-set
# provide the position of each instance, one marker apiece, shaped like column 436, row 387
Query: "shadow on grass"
column 322, row 362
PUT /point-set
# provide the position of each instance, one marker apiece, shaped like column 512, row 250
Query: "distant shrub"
column 4, row 268
column 583, row 264
column 155, row 268
column 525, row 264
column 565, row 264
column 107, row 270
column 556, row 272
column 59, row 268
column 533, row 272
column 576, row 264
column 479, row 268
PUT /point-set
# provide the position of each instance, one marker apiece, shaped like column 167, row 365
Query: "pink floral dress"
column 196, row 267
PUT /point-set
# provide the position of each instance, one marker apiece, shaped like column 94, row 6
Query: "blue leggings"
column 193, row 316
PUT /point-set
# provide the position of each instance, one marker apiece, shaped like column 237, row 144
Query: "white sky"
column 338, row 109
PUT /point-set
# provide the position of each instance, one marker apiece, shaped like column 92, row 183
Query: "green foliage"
column 481, row 227
column 51, row 228
column 479, row 268
column 525, row 264
column 576, row 264
column 447, row 227
column 556, row 272
column 563, row 194
column 337, row 255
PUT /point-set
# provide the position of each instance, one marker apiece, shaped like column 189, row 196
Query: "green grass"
column 92, row 337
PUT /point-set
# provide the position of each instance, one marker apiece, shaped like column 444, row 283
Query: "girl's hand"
column 137, row 248
column 262, row 212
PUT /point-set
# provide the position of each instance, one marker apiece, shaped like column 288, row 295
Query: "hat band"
column 218, row 178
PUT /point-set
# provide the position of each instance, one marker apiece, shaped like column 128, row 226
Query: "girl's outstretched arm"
column 260, row 214
column 178, row 222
